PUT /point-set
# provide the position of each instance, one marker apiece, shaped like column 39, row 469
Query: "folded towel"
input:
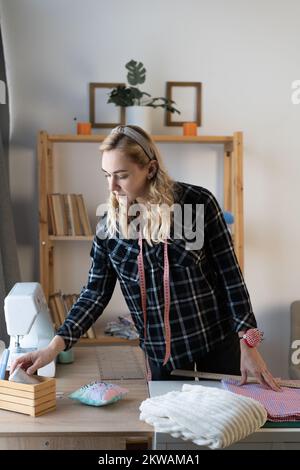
column 280, row 406
column 207, row 416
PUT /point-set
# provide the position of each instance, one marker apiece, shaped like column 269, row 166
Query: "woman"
column 189, row 301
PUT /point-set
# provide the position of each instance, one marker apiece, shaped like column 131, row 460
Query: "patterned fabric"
column 280, row 406
column 218, row 418
column 208, row 295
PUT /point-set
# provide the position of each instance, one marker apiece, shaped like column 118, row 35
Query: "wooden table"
column 76, row 426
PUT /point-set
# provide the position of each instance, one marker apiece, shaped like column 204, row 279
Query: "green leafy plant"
column 124, row 95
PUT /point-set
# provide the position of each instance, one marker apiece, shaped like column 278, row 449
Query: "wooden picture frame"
column 197, row 111
column 93, row 107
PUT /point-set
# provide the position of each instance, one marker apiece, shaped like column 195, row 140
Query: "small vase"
column 66, row 357
column 140, row 116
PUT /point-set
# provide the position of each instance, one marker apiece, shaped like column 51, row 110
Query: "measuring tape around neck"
column 166, row 282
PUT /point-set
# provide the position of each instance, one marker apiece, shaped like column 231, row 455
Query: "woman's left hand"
column 252, row 364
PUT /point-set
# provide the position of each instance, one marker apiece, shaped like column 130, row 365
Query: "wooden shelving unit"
column 233, row 197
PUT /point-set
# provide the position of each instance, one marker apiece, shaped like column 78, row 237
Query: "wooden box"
column 33, row 400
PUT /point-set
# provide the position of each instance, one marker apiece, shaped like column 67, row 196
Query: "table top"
column 73, row 417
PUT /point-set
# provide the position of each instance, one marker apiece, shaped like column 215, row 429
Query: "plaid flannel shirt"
column 208, row 296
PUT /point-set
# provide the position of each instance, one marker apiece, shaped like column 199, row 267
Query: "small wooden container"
column 33, row 400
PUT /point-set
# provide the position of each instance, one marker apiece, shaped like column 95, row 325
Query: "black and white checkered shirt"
column 208, row 295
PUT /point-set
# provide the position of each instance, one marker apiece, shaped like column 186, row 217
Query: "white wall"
column 246, row 55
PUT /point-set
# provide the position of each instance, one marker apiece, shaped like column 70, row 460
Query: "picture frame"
column 190, row 109
column 115, row 113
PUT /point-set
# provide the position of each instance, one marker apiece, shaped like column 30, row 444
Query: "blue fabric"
column 229, row 218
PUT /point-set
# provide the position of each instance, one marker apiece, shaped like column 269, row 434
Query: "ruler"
column 213, row 376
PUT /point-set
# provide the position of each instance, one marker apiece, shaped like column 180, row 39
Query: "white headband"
column 137, row 137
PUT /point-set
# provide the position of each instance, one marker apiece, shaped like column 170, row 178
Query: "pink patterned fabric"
column 280, row 406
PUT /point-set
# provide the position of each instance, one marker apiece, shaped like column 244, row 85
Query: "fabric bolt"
column 204, row 415
column 280, row 406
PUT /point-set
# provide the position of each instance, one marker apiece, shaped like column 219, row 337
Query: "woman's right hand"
column 34, row 360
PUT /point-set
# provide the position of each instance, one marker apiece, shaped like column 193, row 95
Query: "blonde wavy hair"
column 160, row 195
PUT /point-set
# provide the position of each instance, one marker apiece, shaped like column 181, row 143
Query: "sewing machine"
column 28, row 322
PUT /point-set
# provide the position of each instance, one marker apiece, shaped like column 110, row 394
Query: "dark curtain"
column 9, row 265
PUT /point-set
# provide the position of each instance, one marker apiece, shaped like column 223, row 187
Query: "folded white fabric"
column 19, row 375
column 207, row 416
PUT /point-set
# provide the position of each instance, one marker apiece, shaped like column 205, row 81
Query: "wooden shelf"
column 102, row 338
column 157, row 138
column 69, row 238
column 107, row 340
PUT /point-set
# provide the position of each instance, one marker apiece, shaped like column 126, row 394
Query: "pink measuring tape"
column 166, row 297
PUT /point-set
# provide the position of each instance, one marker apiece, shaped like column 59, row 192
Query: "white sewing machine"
column 28, row 322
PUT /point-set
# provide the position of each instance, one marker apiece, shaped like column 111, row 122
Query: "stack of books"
column 67, row 215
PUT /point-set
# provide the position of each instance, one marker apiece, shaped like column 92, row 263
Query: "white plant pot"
column 140, row 116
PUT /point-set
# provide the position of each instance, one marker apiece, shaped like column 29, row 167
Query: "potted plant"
column 136, row 101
